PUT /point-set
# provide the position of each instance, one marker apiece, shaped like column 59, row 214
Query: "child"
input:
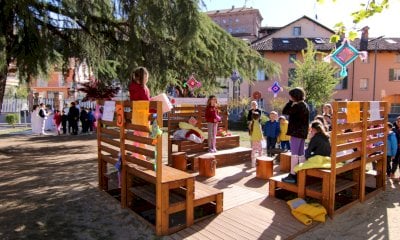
column 391, row 150
column 396, row 130
column 319, row 143
column 57, row 120
column 256, row 137
column 271, row 131
column 254, row 109
column 64, row 120
column 319, row 148
column 299, row 115
column 212, row 119
column 327, row 112
column 283, row 138
column 138, row 89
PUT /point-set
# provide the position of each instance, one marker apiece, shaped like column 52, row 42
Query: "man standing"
column 73, row 117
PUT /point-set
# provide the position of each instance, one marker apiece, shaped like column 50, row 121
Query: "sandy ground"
column 47, row 191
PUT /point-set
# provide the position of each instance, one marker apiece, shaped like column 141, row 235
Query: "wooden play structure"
column 229, row 150
column 168, row 198
column 358, row 138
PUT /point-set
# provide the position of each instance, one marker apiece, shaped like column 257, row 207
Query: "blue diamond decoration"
column 275, row 88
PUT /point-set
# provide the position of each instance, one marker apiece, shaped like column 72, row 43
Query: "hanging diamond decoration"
column 275, row 88
column 192, row 83
column 344, row 55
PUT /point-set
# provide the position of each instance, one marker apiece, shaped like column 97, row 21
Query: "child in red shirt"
column 212, row 119
column 138, row 89
column 57, row 120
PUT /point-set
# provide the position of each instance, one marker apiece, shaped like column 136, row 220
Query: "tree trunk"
column 3, row 81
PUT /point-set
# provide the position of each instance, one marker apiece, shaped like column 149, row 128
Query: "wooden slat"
column 350, row 156
column 107, row 149
column 376, row 149
column 108, row 159
column 139, row 150
column 108, row 123
column 110, row 131
column 140, row 162
column 110, row 141
column 140, row 139
column 348, row 146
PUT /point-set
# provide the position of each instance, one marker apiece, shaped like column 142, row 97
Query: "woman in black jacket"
column 299, row 115
column 319, row 143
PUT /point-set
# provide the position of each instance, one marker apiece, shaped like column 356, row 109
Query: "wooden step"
column 224, row 157
column 204, row 194
column 226, row 142
column 276, row 182
column 148, row 193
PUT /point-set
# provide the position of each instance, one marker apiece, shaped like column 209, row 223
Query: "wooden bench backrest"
column 115, row 139
column 357, row 138
column 357, row 141
column 183, row 113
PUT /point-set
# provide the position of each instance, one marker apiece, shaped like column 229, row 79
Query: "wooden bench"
column 223, row 157
column 108, row 148
column 354, row 142
column 182, row 114
column 144, row 176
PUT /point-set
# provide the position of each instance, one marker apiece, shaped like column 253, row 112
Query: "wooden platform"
column 225, row 157
column 243, row 195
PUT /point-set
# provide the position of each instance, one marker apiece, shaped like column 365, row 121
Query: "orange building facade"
column 378, row 78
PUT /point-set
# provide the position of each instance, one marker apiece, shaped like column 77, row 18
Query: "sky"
column 277, row 13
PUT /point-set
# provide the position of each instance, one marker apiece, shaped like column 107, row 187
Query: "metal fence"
column 16, row 105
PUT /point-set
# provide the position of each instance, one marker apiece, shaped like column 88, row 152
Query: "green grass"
column 244, row 137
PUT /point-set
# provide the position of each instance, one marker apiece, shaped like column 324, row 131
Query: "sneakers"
column 291, row 178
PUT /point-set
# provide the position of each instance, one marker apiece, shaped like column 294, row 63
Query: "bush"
column 12, row 119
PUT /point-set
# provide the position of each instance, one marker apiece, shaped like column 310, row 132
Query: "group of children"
column 273, row 131
column 290, row 134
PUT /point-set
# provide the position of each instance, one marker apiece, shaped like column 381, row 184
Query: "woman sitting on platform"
column 319, row 149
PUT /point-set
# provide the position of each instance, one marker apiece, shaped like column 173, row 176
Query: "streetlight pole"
column 375, row 55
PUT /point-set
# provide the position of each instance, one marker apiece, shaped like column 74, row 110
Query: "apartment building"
column 377, row 78
column 243, row 23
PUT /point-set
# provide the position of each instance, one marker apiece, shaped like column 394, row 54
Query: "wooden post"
column 264, row 167
column 99, row 160
column 332, row 176
column 361, row 179
column 124, row 182
column 161, row 220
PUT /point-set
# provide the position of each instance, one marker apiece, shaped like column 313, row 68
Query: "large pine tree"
column 170, row 37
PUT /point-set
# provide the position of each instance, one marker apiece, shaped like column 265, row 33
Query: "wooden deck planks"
column 266, row 218
column 247, row 213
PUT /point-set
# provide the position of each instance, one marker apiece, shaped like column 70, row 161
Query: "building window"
column 261, row 75
column 394, row 74
column 41, row 82
column 364, row 84
column 292, row 57
column 398, row 58
column 61, row 82
column 342, row 83
column 291, row 76
column 296, row 31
